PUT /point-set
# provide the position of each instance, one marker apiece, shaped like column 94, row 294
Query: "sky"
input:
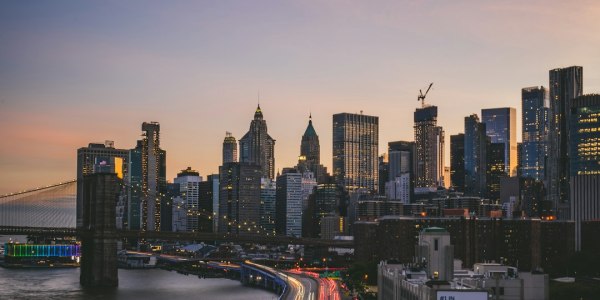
column 76, row 72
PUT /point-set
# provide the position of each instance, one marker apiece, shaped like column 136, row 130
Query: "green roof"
column 310, row 130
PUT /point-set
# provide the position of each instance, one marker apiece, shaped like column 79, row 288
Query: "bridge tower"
column 98, row 233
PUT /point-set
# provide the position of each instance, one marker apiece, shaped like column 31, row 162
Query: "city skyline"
column 75, row 76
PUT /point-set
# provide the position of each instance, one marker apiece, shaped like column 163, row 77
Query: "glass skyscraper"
column 475, row 155
column 585, row 136
column 534, row 103
column 457, row 162
column 565, row 85
column 355, row 151
column 501, row 127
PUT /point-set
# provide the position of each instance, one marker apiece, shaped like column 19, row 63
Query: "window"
column 435, row 244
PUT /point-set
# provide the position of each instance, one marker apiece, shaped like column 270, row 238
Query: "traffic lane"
column 310, row 287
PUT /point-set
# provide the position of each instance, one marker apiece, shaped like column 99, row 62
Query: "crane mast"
column 422, row 96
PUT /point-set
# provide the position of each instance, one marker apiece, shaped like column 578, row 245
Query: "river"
column 147, row 284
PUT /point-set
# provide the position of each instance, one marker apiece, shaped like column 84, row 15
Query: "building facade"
column 288, row 208
column 565, row 85
column 355, row 151
column 230, row 149
column 475, row 156
column 534, row 120
column 501, row 127
column 457, row 162
column 154, row 182
column 429, row 142
column 239, row 198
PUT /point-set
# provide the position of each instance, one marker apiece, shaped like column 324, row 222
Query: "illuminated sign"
column 462, row 295
column 28, row 250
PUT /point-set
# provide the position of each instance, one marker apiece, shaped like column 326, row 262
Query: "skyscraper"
column 98, row 158
column 429, row 140
column 230, row 153
column 267, row 205
column 355, row 151
column 457, row 162
column 189, row 187
column 401, row 170
column 239, row 197
column 534, row 107
column 154, row 183
column 495, row 169
column 257, row 147
column 475, row 146
column 208, row 203
column 501, row 127
column 584, row 142
column 310, row 153
column 565, row 85
column 288, row 208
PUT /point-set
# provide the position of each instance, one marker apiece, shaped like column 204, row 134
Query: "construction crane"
column 422, row 96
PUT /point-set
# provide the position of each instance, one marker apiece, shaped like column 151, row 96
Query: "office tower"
column 457, row 162
column 565, row 85
column 267, row 205
column 135, row 194
column 327, row 200
column 153, row 181
column 208, row 203
column 475, row 145
column 239, row 197
column 230, row 153
column 98, row 158
column 309, row 182
column 257, row 147
column 584, row 135
column 534, row 107
column 584, row 142
column 401, row 171
column 179, row 211
column 429, row 140
column 495, row 169
column 189, row 187
column 355, row 151
column 288, row 208
column 501, row 127
column 310, row 153
column 383, row 172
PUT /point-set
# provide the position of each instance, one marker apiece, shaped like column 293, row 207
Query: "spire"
column 310, row 130
column 258, row 113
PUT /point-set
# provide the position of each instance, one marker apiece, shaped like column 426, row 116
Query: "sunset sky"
column 75, row 72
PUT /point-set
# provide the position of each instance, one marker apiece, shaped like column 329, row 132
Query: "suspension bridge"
column 51, row 211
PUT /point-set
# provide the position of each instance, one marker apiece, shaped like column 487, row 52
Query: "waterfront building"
column 258, row 147
column 189, row 185
column 208, row 204
column 355, row 151
column 534, row 107
column 565, row 85
column 230, row 150
column 429, row 142
column 153, row 179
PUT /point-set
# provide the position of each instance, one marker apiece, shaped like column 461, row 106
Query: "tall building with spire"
column 257, row 147
column 310, row 153
column 230, row 150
